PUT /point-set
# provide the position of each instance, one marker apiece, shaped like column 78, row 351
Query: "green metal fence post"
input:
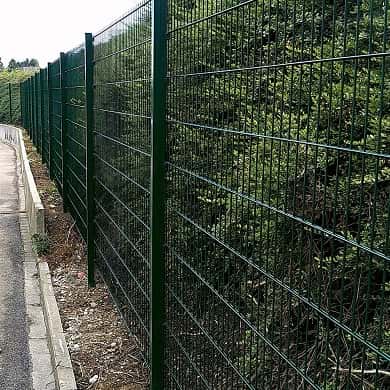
column 32, row 109
column 89, row 95
column 159, row 66
column 50, row 119
column 10, row 102
column 42, row 107
column 21, row 103
column 27, row 92
column 63, row 132
column 26, row 108
column 39, row 112
column 35, row 99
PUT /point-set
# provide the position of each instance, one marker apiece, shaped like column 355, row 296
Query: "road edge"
column 47, row 342
column 63, row 370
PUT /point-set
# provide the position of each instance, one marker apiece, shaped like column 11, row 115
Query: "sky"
column 42, row 28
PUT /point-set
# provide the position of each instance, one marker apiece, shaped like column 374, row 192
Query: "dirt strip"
column 104, row 355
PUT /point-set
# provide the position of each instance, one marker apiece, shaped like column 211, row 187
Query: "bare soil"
column 98, row 340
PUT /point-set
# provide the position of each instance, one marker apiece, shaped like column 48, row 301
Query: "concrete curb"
column 63, row 371
column 46, row 336
column 34, row 207
column 42, row 368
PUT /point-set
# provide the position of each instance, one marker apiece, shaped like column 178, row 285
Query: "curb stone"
column 51, row 363
column 63, row 371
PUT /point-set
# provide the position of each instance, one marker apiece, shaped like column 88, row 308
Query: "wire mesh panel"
column 277, row 225
column 56, row 121
column 74, row 99
column 45, row 116
column 38, row 94
column 23, row 103
column 278, row 209
column 34, row 101
column 30, row 101
column 26, row 108
column 9, row 102
column 4, row 102
column 122, row 158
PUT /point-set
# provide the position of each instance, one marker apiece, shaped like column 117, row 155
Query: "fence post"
column 42, row 115
column 63, row 132
column 158, row 126
column 10, row 102
column 21, row 102
column 35, row 98
column 89, row 96
column 50, row 120
column 26, row 102
column 39, row 119
column 28, row 123
column 32, row 110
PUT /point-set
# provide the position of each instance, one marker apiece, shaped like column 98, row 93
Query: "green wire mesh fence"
column 10, row 110
column 122, row 115
column 274, row 272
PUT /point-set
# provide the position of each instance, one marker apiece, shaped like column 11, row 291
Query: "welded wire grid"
column 26, row 106
column 45, row 116
column 75, row 133
column 278, row 172
column 38, row 108
column 278, row 209
column 34, row 108
column 122, row 66
column 30, row 108
column 9, row 109
column 4, row 101
column 56, row 121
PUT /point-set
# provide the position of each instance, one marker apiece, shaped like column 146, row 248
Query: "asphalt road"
column 15, row 365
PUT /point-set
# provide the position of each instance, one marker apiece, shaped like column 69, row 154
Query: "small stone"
column 93, row 304
column 113, row 345
column 93, row 380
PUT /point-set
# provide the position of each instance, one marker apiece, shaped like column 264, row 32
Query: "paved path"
column 15, row 365
column 24, row 357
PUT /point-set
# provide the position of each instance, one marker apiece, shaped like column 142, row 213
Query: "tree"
column 1, row 65
column 12, row 65
column 34, row 62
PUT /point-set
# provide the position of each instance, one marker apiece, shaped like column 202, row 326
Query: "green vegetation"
column 279, row 169
column 13, row 77
column 12, row 65
column 41, row 244
column 278, row 214
column 294, row 110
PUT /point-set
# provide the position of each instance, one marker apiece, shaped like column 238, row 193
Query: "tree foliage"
column 12, row 65
column 279, row 144
column 12, row 78
column 278, row 185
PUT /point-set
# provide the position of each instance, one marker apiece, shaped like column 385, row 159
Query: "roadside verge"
column 33, row 205
column 48, row 349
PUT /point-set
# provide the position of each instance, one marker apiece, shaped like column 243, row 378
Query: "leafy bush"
column 41, row 244
column 14, row 78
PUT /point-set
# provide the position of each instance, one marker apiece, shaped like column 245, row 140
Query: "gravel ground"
column 104, row 355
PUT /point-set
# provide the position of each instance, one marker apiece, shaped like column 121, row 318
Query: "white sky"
column 42, row 28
